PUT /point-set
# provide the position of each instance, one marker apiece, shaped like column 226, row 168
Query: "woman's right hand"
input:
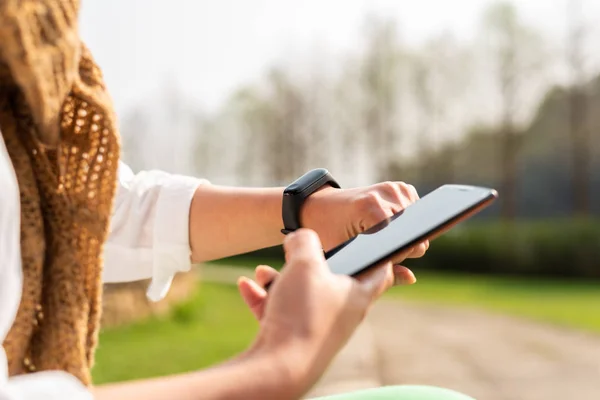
column 310, row 313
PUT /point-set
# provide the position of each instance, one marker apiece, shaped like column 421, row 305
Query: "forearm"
column 225, row 221
column 247, row 377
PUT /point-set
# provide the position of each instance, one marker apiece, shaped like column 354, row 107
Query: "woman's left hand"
column 340, row 214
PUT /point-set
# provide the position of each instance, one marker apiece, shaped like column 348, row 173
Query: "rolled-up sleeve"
column 149, row 235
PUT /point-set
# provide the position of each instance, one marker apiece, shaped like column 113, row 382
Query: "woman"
column 61, row 145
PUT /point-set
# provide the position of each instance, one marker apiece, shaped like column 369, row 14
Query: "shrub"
column 553, row 248
column 558, row 248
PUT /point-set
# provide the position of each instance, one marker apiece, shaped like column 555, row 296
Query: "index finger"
column 403, row 255
column 377, row 280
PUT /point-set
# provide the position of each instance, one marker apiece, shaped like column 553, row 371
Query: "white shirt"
column 149, row 238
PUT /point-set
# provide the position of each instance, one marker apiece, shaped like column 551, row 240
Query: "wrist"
column 312, row 210
column 286, row 366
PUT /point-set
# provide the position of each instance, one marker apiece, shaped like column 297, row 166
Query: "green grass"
column 568, row 303
column 215, row 324
column 211, row 327
column 574, row 304
column 249, row 262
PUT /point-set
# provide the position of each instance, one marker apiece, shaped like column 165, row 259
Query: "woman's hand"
column 340, row 214
column 308, row 317
column 311, row 312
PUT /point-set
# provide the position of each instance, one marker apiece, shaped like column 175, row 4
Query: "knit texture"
column 60, row 131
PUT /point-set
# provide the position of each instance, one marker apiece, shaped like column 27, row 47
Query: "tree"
column 205, row 133
column 380, row 83
column 438, row 81
column 134, row 127
column 516, row 53
column 349, row 138
column 251, row 114
column 579, row 112
column 267, row 124
column 424, row 90
column 318, row 113
column 286, row 136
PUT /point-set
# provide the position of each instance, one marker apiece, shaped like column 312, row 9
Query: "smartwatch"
column 297, row 192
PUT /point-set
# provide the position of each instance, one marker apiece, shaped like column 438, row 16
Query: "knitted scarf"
column 59, row 128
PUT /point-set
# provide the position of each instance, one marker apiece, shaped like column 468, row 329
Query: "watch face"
column 293, row 189
column 306, row 181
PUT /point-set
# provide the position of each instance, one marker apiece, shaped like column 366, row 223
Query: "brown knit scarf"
column 58, row 124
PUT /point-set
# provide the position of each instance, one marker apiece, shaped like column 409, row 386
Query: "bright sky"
column 211, row 47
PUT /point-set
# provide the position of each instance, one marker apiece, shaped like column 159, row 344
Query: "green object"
column 407, row 392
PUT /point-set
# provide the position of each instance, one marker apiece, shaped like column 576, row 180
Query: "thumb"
column 254, row 296
column 303, row 248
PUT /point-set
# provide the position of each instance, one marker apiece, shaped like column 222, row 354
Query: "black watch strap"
column 296, row 194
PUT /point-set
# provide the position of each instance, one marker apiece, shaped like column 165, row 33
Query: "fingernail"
column 404, row 280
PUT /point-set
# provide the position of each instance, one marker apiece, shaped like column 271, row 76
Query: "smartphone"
column 425, row 219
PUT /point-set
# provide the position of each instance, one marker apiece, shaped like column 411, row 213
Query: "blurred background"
column 495, row 93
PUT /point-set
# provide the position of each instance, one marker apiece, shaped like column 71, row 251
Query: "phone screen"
column 407, row 228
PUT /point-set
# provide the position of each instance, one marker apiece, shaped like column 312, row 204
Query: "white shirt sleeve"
column 149, row 234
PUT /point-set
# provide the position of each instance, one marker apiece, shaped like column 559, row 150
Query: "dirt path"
column 487, row 356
